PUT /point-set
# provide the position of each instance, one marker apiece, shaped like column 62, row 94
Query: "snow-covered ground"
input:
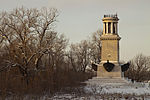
column 100, row 91
column 135, row 88
column 113, row 91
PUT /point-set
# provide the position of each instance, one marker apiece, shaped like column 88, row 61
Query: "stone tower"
column 110, row 47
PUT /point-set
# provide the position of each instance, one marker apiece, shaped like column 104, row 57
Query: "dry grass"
column 42, row 83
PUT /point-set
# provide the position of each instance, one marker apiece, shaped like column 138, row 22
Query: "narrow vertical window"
column 109, row 27
column 114, row 28
column 105, row 27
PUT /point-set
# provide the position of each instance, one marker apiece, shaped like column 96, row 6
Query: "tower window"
column 109, row 27
column 105, row 27
column 114, row 28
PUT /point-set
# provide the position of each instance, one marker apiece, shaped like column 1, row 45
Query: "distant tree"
column 139, row 68
column 81, row 54
column 95, row 46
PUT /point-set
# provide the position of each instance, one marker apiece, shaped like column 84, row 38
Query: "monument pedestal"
column 115, row 73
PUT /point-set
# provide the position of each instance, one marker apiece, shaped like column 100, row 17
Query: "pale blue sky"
column 79, row 18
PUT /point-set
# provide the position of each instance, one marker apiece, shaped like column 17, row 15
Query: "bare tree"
column 139, row 68
column 55, row 56
column 95, row 45
column 24, row 33
column 79, row 55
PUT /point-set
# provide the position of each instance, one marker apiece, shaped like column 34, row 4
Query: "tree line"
column 33, row 54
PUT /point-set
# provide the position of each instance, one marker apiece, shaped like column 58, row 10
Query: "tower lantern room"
column 110, row 24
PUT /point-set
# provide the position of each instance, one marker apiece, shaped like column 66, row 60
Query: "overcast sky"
column 79, row 18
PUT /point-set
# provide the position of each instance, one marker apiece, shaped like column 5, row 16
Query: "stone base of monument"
column 115, row 73
column 107, row 81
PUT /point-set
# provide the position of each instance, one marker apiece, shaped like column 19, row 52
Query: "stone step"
column 109, row 81
column 97, row 80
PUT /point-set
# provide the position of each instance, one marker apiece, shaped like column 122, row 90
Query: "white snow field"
column 109, row 89
column 118, row 85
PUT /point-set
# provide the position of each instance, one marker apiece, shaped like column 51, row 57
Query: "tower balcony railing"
column 111, row 15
